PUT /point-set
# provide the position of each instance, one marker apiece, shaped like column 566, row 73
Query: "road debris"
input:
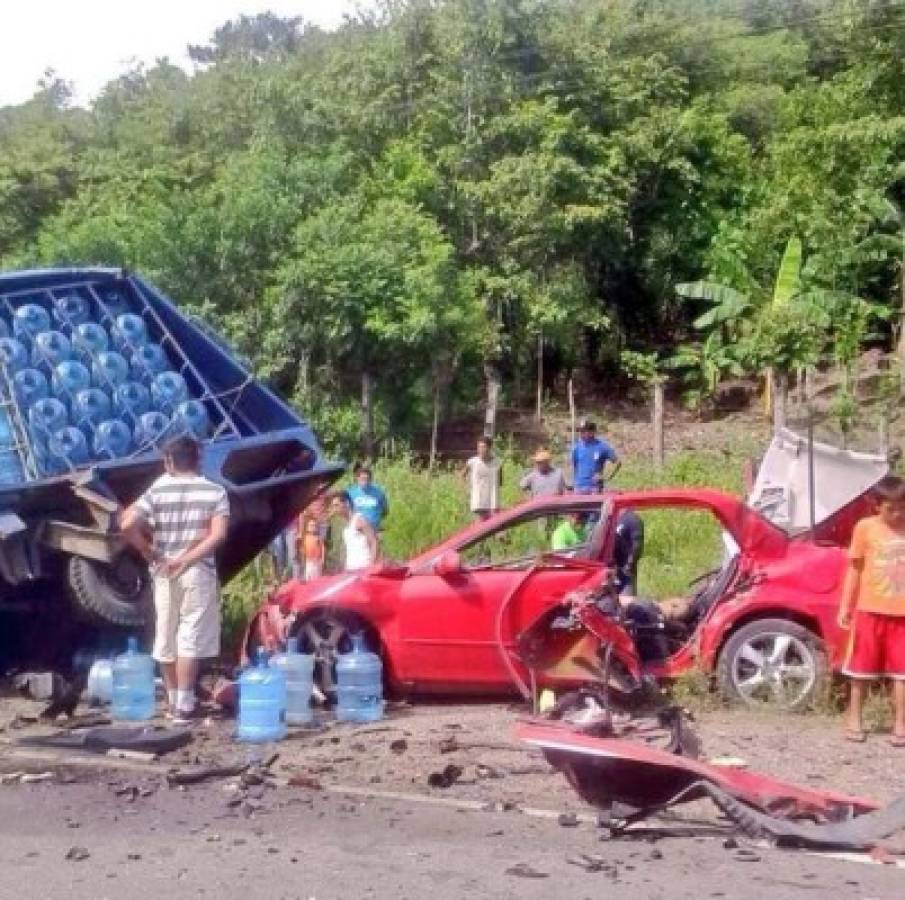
column 182, row 777
column 77, row 854
column 523, row 870
column 449, row 776
column 399, row 746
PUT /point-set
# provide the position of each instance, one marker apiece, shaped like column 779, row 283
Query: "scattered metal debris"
column 523, row 870
column 77, row 854
column 449, row 776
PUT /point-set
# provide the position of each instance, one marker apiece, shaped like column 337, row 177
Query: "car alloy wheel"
column 775, row 668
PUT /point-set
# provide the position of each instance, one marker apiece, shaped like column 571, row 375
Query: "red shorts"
column 876, row 647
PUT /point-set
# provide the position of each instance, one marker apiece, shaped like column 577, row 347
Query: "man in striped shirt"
column 177, row 525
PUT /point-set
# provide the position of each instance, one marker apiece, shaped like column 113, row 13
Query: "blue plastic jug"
column 129, row 332
column 262, row 702
column 29, row 320
column 133, row 685
column 191, row 417
column 49, row 349
column 67, row 447
column 89, row 339
column 90, row 407
column 147, row 361
column 29, row 385
column 71, row 309
column 4, row 327
column 152, row 428
column 112, row 439
column 168, row 390
column 131, row 399
column 13, row 355
column 299, row 671
column 44, row 418
column 68, row 378
column 11, row 471
column 359, row 684
column 114, row 302
column 109, row 370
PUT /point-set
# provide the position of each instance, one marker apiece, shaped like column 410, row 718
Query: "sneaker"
column 187, row 716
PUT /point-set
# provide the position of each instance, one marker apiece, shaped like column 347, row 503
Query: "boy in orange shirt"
column 873, row 607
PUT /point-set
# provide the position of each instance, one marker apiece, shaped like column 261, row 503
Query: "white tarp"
column 781, row 489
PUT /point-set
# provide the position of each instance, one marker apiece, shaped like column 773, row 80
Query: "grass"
column 426, row 507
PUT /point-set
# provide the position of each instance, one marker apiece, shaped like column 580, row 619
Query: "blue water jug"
column 129, row 332
column 133, row 685
column 114, row 302
column 89, row 339
column 262, row 702
column 45, row 417
column 68, row 378
column 147, row 361
column 299, row 671
column 29, row 320
column 152, row 429
column 131, row 399
column 30, row 385
column 13, row 355
column 67, row 448
column 191, row 417
column 112, row 439
column 11, row 471
column 359, row 684
column 109, row 370
column 90, row 407
column 4, row 328
column 49, row 349
column 168, row 390
column 71, row 309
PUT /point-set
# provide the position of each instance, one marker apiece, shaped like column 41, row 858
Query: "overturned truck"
column 98, row 368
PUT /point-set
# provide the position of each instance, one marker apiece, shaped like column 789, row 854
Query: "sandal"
column 856, row 736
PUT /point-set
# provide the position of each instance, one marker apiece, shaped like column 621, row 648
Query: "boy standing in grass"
column 873, row 607
column 484, row 476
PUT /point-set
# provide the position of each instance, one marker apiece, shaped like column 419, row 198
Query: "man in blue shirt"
column 590, row 457
column 368, row 500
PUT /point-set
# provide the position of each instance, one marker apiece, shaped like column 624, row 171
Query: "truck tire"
column 774, row 663
column 110, row 594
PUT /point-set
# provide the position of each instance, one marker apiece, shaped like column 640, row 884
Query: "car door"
column 449, row 622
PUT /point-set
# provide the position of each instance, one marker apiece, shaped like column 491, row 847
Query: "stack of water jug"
column 276, row 693
column 90, row 384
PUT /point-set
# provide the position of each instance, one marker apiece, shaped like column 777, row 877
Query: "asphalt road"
column 295, row 843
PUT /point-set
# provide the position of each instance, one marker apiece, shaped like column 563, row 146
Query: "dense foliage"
column 444, row 189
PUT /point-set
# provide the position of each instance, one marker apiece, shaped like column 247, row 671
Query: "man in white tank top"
column 359, row 537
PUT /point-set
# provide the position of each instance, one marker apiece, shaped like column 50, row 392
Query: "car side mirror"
column 449, row 564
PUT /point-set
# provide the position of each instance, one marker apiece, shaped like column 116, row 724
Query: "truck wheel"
column 117, row 593
column 774, row 663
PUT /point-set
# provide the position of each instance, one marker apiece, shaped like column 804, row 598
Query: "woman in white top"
column 359, row 538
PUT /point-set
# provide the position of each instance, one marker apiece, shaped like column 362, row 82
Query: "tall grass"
column 426, row 507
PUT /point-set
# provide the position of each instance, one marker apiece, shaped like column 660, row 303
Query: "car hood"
column 295, row 595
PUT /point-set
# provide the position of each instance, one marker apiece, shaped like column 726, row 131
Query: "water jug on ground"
column 133, row 685
column 262, row 702
column 359, row 684
column 299, row 671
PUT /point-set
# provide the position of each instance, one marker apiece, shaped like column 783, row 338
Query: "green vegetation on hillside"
column 386, row 216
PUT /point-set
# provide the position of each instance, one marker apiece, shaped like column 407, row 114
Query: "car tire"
column 111, row 594
column 326, row 634
column 772, row 663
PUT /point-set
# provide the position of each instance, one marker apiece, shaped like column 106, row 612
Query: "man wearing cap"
column 590, row 457
column 545, row 479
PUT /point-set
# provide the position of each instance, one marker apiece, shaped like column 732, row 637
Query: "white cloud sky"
column 88, row 42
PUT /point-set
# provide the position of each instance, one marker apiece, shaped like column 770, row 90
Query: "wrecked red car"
column 761, row 617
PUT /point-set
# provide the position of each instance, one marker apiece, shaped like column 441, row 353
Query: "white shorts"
column 313, row 569
column 187, row 612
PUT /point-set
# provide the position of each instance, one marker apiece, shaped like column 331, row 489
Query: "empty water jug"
column 112, row 439
column 30, row 320
column 299, row 671
column 191, row 417
column 129, row 332
column 147, row 361
column 90, row 407
column 4, row 328
column 262, row 702
column 49, row 349
column 131, row 399
column 45, row 417
column 109, row 370
column 11, row 471
column 89, row 339
column 168, row 390
column 359, row 684
column 100, row 682
column 13, row 355
column 152, row 428
column 133, row 685
column 67, row 448
column 68, row 378
column 71, row 309
column 113, row 303
column 29, row 385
